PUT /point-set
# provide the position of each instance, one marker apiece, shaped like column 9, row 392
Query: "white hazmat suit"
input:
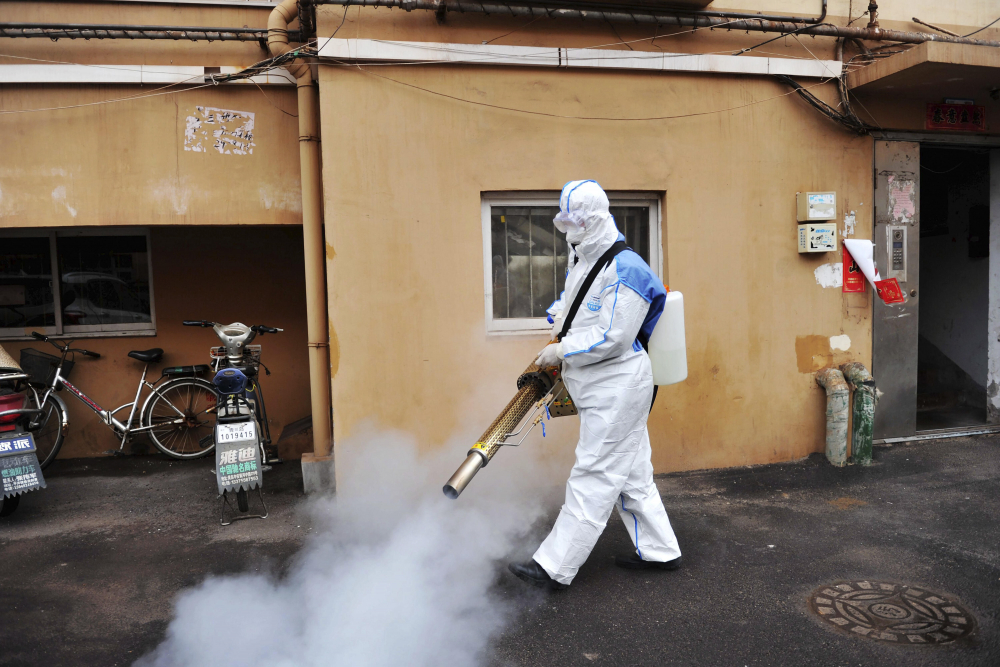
column 609, row 376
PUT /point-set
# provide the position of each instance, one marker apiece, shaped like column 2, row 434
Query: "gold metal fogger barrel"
column 533, row 384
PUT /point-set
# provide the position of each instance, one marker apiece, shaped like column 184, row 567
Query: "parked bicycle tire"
column 49, row 436
column 191, row 397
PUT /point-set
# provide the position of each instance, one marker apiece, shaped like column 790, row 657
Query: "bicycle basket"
column 41, row 367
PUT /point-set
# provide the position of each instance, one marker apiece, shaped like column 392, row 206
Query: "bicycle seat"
column 149, row 356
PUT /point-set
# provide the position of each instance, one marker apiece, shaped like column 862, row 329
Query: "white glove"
column 552, row 355
column 557, row 325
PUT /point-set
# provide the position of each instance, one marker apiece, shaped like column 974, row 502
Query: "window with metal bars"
column 526, row 256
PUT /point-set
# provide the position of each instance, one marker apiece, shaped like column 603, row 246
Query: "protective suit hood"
column 587, row 205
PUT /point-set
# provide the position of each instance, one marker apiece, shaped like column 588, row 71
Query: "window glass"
column 529, row 255
column 26, row 298
column 104, row 280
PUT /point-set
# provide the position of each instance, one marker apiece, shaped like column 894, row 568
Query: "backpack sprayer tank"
column 538, row 390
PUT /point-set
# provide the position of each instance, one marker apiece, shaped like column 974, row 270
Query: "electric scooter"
column 20, row 471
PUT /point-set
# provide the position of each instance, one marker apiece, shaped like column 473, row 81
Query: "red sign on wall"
column 965, row 117
column 890, row 291
column 854, row 280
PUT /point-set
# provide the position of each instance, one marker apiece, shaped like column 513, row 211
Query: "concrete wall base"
column 318, row 473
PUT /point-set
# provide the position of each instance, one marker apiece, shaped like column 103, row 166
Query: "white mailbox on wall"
column 814, row 206
column 818, row 237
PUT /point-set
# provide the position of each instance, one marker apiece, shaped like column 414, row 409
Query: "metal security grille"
column 529, row 255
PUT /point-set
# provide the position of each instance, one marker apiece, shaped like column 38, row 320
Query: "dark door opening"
column 952, row 354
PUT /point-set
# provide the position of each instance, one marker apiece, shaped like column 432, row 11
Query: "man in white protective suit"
column 609, row 376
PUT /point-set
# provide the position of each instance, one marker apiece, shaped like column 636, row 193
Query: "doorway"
column 954, row 279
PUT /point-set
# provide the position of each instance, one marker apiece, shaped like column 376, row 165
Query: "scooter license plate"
column 18, row 443
column 235, row 432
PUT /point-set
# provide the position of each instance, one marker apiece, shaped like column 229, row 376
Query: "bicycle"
column 178, row 416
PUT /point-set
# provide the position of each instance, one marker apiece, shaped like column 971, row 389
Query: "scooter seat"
column 149, row 356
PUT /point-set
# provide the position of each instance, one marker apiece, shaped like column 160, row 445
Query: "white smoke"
column 393, row 574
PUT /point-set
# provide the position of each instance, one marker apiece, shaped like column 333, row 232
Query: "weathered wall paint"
column 127, row 163
column 840, row 343
column 189, row 274
column 406, row 303
column 829, row 275
column 225, row 131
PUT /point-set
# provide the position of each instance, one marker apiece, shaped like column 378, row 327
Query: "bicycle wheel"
column 49, row 437
column 182, row 416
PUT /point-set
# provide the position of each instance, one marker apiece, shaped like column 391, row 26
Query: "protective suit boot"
column 535, row 574
column 633, row 562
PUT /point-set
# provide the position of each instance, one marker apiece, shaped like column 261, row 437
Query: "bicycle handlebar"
column 257, row 328
column 66, row 347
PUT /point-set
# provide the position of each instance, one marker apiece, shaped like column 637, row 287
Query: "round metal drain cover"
column 892, row 612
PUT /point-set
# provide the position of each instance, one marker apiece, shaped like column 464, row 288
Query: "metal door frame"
column 958, row 141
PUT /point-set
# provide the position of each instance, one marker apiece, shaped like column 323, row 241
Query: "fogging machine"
column 540, row 394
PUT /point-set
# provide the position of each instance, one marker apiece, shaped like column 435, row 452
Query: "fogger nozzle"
column 463, row 475
column 533, row 384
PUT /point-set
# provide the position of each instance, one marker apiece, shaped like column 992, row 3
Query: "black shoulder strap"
column 605, row 259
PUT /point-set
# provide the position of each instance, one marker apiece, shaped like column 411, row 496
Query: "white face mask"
column 570, row 224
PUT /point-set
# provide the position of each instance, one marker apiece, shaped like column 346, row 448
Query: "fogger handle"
column 473, row 462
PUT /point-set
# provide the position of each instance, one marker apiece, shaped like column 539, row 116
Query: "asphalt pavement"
column 91, row 565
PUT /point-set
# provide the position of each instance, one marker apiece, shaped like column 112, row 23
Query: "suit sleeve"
column 621, row 315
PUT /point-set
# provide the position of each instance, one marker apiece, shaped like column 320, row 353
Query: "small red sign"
column 890, row 291
column 854, row 280
column 964, row 117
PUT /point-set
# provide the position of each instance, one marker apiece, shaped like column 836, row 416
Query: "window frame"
column 86, row 330
column 530, row 326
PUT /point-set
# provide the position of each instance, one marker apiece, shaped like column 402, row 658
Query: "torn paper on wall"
column 902, row 198
column 850, row 222
column 829, row 275
column 863, row 252
column 226, row 131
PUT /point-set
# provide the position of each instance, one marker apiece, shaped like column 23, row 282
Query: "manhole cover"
column 892, row 612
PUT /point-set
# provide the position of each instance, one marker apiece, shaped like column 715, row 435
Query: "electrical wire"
column 111, row 101
column 981, row 29
column 518, row 29
column 262, row 67
column 287, row 113
column 567, row 117
column 946, row 171
column 774, row 39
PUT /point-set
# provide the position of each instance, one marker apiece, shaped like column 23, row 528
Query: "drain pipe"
column 317, row 467
column 837, row 398
column 865, row 397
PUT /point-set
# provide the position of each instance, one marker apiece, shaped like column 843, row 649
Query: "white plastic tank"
column 667, row 347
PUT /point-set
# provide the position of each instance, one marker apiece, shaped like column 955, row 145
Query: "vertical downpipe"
column 314, row 246
column 837, row 399
column 864, row 411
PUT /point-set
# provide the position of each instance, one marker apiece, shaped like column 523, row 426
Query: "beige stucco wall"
column 124, row 163
column 404, row 170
